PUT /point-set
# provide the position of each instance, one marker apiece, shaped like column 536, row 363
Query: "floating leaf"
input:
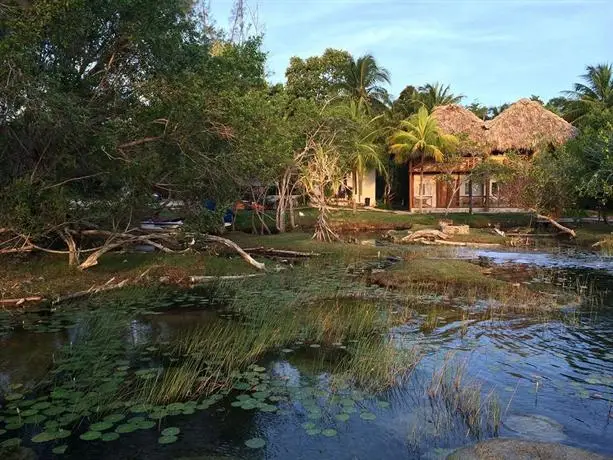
column 101, row 426
column 126, row 428
column 41, row 405
column 108, row 437
column 313, row 431
column 59, row 450
column 368, row 416
column 255, row 443
column 308, row 425
column 13, row 426
column 343, row 417
column 114, row 418
column 287, row 350
column 53, row 411
column 13, row 396
column 11, row 443
column 135, row 420
column 91, row 436
column 268, row 408
column 171, row 431
column 45, row 436
column 383, row 404
column 146, row 424
column 329, row 432
column 167, row 439
column 62, row 434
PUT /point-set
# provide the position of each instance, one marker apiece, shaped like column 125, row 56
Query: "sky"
column 491, row 51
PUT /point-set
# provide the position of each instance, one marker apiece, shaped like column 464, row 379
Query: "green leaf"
column 171, row 431
column 91, row 436
column 59, row 450
column 108, row 437
column 167, row 439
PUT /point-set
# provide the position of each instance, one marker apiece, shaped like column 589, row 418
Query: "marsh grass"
column 453, row 395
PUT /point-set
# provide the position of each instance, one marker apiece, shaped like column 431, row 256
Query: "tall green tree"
column 478, row 109
column 594, row 93
column 319, row 78
column 364, row 80
column 420, row 138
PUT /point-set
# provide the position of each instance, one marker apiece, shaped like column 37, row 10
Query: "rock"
column 536, row 427
column 515, row 449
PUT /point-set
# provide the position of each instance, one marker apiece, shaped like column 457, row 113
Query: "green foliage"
column 318, row 78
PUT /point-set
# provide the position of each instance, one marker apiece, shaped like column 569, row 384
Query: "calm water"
column 553, row 381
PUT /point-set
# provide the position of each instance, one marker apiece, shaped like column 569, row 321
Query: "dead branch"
column 20, row 302
column 93, row 290
column 557, row 225
column 280, row 252
column 232, row 245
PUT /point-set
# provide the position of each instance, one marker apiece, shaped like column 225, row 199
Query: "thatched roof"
column 527, row 125
column 461, row 122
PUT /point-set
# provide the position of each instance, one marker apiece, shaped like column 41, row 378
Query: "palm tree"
column 367, row 152
column 595, row 93
column 364, row 79
column 419, row 137
column 433, row 95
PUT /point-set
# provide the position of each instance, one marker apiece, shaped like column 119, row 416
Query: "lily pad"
column 114, row 418
column 126, row 428
column 383, row 404
column 255, row 443
column 146, row 424
column 171, row 431
column 368, row 416
column 329, row 432
column 13, row 426
column 342, row 417
column 101, row 426
column 108, row 437
column 59, row 450
column 91, row 436
column 308, row 425
column 167, row 439
column 13, row 396
column 45, row 436
column 313, row 431
column 9, row 443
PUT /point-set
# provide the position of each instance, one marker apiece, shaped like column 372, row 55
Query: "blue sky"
column 492, row 51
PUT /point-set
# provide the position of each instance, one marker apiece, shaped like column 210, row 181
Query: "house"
column 526, row 127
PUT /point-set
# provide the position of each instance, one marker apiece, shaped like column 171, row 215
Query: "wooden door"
column 444, row 192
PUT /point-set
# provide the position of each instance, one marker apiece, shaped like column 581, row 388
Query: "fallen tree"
column 169, row 243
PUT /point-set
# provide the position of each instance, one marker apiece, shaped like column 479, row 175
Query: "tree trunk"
column 354, row 177
column 470, row 196
column 73, row 250
column 411, row 185
column 421, row 184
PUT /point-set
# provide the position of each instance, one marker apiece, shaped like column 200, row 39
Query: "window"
column 477, row 189
column 494, row 188
column 425, row 189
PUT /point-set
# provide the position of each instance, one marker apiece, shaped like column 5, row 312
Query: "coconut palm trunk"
column 421, row 182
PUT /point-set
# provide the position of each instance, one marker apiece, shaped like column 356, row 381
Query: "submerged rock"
column 516, row 449
column 536, row 427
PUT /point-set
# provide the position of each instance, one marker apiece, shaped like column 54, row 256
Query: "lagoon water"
column 551, row 378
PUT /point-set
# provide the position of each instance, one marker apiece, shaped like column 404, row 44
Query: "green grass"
column 350, row 221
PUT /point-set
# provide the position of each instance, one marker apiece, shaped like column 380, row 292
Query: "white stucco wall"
column 368, row 187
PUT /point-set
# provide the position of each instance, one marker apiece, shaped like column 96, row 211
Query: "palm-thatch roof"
column 527, row 125
column 462, row 123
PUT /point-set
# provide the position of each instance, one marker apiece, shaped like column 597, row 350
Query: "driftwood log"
column 427, row 235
